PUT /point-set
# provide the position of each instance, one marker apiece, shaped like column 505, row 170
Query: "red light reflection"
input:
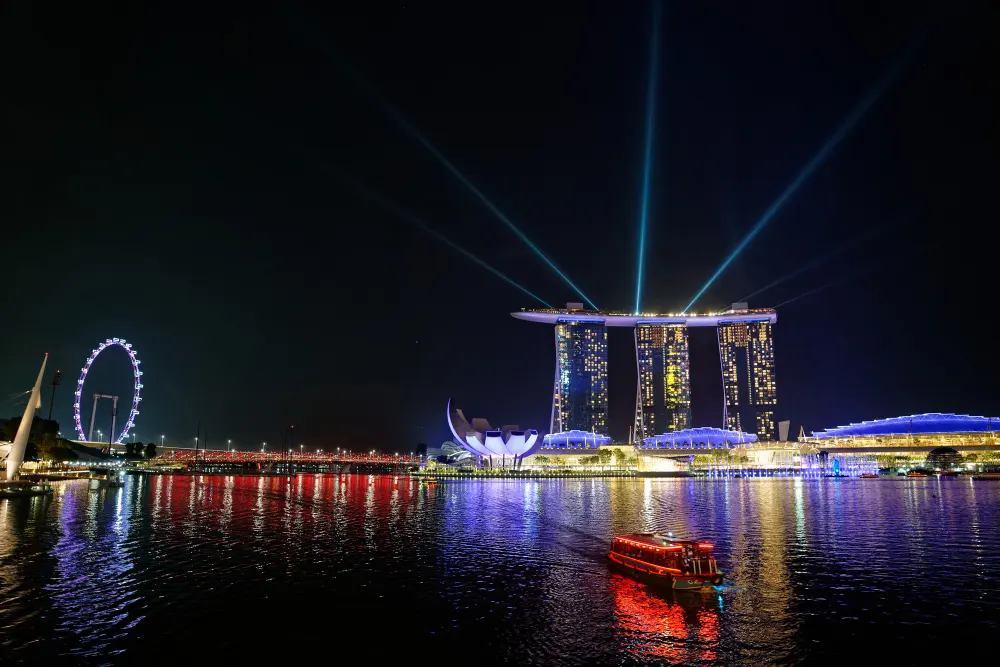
column 660, row 625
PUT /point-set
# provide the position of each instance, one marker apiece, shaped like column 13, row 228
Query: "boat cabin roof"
column 658, row 541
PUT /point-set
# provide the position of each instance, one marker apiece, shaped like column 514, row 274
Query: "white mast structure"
column 16, row 456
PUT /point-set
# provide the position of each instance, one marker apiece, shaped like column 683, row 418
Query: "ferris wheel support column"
column 93, row 415
column 114, row 417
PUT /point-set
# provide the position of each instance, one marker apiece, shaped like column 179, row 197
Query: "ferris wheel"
column 133, row 413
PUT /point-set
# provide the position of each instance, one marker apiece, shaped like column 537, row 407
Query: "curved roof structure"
column 480, row 439
column 705, row 437
column 615, row 319
column 928, row 423
column 575, row 439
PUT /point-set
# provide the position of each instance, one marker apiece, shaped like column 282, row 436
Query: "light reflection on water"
column 513, row 571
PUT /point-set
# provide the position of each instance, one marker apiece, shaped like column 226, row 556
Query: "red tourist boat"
column 664, row 561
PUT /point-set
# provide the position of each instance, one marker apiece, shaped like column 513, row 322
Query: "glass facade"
column 746, row 352
column 580, row 394
column 663, row 392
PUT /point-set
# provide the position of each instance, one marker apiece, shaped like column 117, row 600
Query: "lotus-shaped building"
column 501, row 447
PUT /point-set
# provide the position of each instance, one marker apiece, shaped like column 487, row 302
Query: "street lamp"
column 161, row 441
column 100, row 436
column 263, row 447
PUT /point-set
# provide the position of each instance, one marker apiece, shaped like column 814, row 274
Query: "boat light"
column 704, row 545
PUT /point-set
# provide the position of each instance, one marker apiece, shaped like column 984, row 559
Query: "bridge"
column 221, row 456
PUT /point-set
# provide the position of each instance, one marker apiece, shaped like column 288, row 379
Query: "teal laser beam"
column 654, row 70
column 403, row 214
column 401, row 120
column 852, row 119
column 828, row 285
column 818, row 261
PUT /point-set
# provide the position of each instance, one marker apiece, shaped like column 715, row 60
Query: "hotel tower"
column 663, row 390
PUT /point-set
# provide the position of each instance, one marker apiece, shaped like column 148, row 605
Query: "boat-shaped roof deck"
column 658, row 541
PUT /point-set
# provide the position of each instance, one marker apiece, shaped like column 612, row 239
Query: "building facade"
column 746, row 352
column 580, row 393
column 663, row 389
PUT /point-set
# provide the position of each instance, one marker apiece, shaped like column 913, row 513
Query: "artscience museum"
column 505, row 447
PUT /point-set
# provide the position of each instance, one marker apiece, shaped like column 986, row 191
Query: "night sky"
column 188, row 177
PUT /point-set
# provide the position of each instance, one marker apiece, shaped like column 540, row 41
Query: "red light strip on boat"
column 705, row 545
column 646, row 545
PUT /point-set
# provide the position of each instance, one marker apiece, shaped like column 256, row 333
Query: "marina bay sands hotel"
column 663, row 392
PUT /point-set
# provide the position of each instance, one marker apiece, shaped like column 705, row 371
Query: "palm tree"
column 621, row 458
column 46, row 445
column 604, row 456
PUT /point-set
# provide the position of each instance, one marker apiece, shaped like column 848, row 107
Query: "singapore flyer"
column 133, row 413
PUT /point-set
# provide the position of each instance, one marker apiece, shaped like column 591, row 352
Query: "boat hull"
column 24, row 489
column 677, row 582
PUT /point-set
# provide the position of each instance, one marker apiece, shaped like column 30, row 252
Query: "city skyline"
column 662, row 361
column 176, row 188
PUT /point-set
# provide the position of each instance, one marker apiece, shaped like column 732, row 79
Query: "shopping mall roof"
column 575, row 439
column 698, row 438
column 738, row 313
column 928, row 423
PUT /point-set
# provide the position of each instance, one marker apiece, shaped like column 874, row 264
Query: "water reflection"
column 95, row 592
column 508, row 571
column 678, row 627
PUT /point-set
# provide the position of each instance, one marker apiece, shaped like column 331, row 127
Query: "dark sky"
column 169, row 175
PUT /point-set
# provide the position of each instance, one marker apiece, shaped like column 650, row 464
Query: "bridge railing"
column 176, row 455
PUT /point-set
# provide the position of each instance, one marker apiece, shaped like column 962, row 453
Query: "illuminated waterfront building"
column 746, row 351
column 500, row 447
column 705, row 437
column 929, row 431
column 663, row 389
column 663, row 393
column 575, row 440
column 580, row 390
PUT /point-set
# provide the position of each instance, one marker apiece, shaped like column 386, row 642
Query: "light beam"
column 401, row 120
column 843, row 247
column 654, row 70
column 822, row 287
column 402, row 213
column 856, row 114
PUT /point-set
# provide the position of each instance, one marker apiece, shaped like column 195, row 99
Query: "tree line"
column 45, row 443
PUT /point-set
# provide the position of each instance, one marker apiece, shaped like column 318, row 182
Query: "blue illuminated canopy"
column 705, row 437
column 928, row 423
column 574, row 439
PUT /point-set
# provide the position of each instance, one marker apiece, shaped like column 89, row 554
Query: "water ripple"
column 514, row 572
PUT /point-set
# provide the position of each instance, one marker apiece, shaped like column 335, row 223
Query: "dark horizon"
column 190, row 178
